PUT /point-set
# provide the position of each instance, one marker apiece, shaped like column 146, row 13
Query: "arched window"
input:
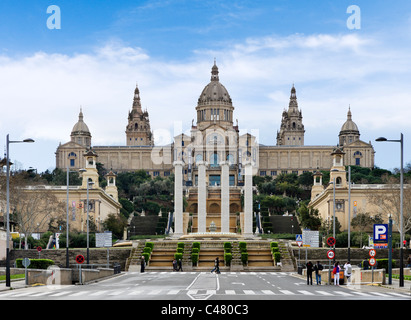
column 214, row 160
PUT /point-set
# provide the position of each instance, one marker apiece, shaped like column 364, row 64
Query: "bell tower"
column 292, row 129
column 138, row 132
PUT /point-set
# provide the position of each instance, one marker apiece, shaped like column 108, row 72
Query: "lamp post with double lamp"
column 67, row 218
column 89, row 185
column 401, row 141
column 8, row 141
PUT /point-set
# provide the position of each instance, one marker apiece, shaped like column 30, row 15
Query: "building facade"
column 215, row 138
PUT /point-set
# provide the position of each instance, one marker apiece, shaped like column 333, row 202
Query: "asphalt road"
column 200, row 286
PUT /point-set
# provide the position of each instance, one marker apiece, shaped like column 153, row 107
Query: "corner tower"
column 138, row 132
column 292, row 129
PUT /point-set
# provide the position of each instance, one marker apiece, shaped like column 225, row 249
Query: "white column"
column 225, row 197
column 178, row 198
column 202, row 196
column 248, row 201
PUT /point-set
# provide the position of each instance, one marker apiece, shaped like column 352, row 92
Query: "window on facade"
column 214, row 160
column 273, row 173
column 72, row 162
column 263, row 173
column 214, row 180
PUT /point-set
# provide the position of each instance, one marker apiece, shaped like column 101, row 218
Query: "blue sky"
column 262, row 47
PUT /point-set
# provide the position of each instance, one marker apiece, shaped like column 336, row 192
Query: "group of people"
column 318, row 267
column 177, row 265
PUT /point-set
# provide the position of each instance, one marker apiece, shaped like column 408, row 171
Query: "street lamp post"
column 401, row 141
column 89, row 184
column 8, row 141
column 67, row 218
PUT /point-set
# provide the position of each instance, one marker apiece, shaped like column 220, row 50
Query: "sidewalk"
column 14, row 284
column 395, row 286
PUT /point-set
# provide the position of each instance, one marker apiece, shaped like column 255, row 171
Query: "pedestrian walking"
column 175, row 265
column 180, row 265
column 216, row 266
column 348, row 271
column 336, row 273
column 309, row 266
column 143, row 264
column 318, row 267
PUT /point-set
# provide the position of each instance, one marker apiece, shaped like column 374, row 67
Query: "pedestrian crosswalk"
column 229, row 293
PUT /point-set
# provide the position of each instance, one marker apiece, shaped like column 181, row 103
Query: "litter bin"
column 300, row 270
column 117, row 268
column 341, row 280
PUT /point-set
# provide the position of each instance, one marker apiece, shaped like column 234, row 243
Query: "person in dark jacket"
column 216, row 266
column 309, row 266
column 143, row 264
column 318, row 267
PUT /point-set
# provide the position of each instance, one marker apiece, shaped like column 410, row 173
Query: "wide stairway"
column 259, row 256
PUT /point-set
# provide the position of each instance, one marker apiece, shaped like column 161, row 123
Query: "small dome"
column 80, row 128
column 349, row 125
column 214, row 91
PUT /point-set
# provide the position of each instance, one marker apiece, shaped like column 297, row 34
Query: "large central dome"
column 214, row 92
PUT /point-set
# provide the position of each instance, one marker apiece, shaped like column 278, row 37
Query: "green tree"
column 309, row 217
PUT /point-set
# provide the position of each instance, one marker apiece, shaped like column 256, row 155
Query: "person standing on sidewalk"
column 336, row 273
column 143, row 264
column 347, row 271
column 309, row 266
column 318, row 267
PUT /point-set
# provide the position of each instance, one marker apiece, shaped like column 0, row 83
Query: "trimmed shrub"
column 227, row 258
column 146, row 256
column 180, row 250
column 243, row 246
column 195, row 250
column 273, row 245
column 275, row 249
column 227, row 245
column 35, row 263
column 383, row 263
column 147, row 250
column 180, row 245
column 150, row 245
column 194, row 258
column 277, row 256
column 196, row 245
column 178, row 256
column 244, row 257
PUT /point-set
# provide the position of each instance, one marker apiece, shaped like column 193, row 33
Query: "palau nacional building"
column 215, row 152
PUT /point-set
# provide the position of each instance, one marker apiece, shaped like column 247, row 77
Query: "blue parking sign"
column 381, row 234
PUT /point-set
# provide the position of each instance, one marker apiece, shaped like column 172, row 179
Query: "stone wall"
column 97, row 256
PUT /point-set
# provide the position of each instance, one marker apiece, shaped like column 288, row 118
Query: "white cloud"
column 41, row 93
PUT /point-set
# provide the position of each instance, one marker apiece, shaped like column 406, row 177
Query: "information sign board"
column 311, row 238
column 104, row 239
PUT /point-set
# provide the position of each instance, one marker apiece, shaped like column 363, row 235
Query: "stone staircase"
column 209, row 251
column 133, row 262
column 287, row 259
column 259, row 256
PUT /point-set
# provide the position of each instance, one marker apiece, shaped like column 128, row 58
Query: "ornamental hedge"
column 35, row 263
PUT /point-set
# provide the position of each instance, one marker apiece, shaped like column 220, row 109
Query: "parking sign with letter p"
column 380, row 234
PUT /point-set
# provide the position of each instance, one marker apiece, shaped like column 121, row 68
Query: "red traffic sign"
column 330, row 254
column 372, row 262
column 372, row 253
column 39, row 249
column 331, row 241
column 80, row 259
